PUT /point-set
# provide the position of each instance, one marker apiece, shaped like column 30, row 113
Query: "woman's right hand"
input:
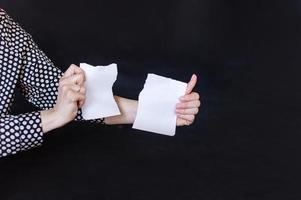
column 71, row 97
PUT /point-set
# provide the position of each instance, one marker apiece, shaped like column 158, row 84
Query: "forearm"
column 128, row 109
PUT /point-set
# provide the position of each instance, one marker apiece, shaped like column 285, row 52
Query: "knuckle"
column 77, row 78
column 72, row 66
column 65, row 88
column 81, row 71
column 72, row 98
column 81, row 77
column 188, row 97
column 69, row 93
column 77, row 88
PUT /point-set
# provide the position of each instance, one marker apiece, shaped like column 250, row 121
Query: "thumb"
column 191, row 84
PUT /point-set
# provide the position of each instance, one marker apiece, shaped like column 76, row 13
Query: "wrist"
column 128, row 109
column 50, row 120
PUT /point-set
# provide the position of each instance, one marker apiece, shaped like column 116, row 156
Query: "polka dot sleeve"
column 24, row 65
column 38, row 78
column 20, row 132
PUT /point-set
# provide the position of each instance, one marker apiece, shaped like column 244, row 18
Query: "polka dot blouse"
column 24, row 66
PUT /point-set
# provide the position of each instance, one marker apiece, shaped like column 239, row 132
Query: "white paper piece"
column 99, row 96
column 157, row 104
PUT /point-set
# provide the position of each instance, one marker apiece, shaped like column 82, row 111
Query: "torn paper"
column 99, row 101
column 157, row 104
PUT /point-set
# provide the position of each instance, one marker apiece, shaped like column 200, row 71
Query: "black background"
column 245, row 142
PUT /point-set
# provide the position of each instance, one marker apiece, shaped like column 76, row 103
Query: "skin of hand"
column 189, row 104
column 71, row 97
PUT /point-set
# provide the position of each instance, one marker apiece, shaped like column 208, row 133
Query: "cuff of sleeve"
column 30, row 130
column 79, row 117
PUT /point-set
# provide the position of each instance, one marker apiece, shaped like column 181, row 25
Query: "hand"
column 71, row 93
column 189, row 104
column 71, row 97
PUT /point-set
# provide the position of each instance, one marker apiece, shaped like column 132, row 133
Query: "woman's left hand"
column 189, row 104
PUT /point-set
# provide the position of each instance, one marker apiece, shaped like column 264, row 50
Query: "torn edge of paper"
column 99, row 100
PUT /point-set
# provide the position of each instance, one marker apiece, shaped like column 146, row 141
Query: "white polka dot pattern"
column 20, row 132
column 25, row 66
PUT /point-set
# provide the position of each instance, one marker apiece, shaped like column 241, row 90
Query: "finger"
column 191, row 84
column 182, row 122
column 75, row 96
column 81, row 103
column 64, row 89
column 77, row 88
column 189, row 118
column 190, row 111
column 190, row 104
column 78, row 79
column 75, row 79
column 82, row 90
column 190, row 97
column 73, row 69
